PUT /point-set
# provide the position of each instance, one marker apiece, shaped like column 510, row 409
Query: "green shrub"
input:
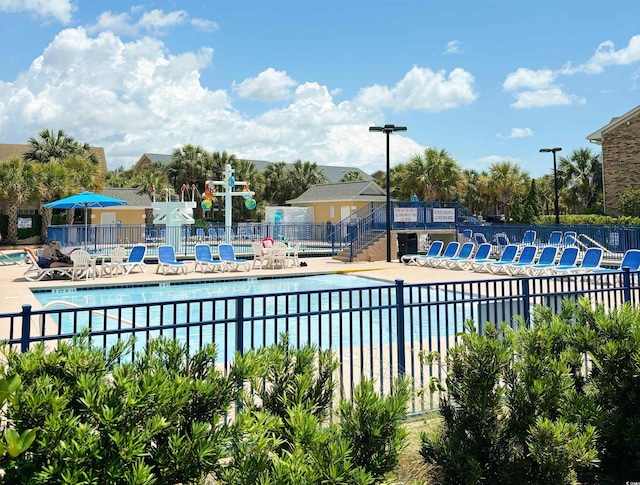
column 156, row 420
column 506, row 407
column 372, row 425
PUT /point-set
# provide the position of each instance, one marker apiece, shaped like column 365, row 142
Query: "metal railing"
column 376, row 332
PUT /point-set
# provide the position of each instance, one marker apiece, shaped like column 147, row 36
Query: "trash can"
column 407, row 243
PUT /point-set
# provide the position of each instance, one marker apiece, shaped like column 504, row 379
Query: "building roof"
column 366, row 190
column 134, row 199
column 17, row 150
column 332, row 172
column 596, row 136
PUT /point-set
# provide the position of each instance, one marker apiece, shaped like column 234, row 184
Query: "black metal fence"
column 376, row 332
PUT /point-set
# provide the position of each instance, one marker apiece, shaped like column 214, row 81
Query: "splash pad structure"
column 227, row 193
column 174, row 214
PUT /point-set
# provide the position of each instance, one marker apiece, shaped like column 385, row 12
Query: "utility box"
column 407, row 243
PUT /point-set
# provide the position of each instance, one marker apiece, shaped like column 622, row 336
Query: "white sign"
column 24, row 223
column 444, row 215
column 405, row 214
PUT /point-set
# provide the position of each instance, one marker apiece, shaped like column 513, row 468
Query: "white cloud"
column 422, row 89
column 136, row 97
column 204, row 25
column 520, row 132
column 154, row 21
column 60, row 10
column 544, row 97
column 528, row 78
column 269, row 85
column 607, row 55
column 453, row 47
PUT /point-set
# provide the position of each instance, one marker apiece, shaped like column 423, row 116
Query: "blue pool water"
column 12, row 257
column 346, row 329
column 131, row 295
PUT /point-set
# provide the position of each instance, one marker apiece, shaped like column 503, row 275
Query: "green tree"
column 507, row 179
column 580, row 174
column 527, row 210
column 51, row 146
column 276, row 183
column 18, row 185
column 433, row 175
column 352, row 176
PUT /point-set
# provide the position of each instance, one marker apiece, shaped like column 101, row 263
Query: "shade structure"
column 85, row 200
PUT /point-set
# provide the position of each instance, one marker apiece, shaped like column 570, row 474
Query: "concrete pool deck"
column 15, row 290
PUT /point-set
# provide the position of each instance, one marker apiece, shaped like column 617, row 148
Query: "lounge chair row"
column 530, row 260
column 84, row 264
column 204, row 260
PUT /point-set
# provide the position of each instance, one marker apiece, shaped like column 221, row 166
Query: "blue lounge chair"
column 567, row 260
column 167, row 261
column 482, row 255
column 590, row 262
column 466, row 251
column 501, row 242
column 135, row 260
column 228, row 255
column 529, row 238
column 467, row 233
column 498, row 266
column 507, row 257
column 630, row 260
column 546, row 260
column 526, row 259
column 555, row 238
column 569, row 238
column 205, row 261
column 479, row 238
column 450, row 252
column 434, row 250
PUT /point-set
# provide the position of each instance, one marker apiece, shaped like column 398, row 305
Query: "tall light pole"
column 388, row 129
column 555, row 179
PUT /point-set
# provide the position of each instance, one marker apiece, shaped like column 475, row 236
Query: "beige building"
column 8, row 151
column 620, row 141
column 335, row 202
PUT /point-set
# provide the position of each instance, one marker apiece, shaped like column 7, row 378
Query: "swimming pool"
column 331, row 311
column 11, row 257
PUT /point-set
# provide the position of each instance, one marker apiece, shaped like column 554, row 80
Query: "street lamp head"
column 388, row 128
column 550, row 150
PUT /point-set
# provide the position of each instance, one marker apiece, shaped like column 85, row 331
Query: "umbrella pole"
column 86, row 232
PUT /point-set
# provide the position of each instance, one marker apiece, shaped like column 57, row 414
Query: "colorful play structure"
column 180, row 213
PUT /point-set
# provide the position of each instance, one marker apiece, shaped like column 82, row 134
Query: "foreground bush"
column 103, row 422
column 527, row 406
column 168, row 416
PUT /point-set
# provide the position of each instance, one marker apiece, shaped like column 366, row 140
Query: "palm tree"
column 51, row 146
column 508, row 179
column 435, row 175
column 470, row 193
column 186, row 166
column 276, row 181
column 17, row 187
column 581, row 175
column 303, row 175
column 352, row 176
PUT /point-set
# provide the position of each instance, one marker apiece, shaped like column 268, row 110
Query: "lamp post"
column 555, row 180
column 388, row 129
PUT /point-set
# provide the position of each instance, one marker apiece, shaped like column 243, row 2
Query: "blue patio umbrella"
column 85, row 200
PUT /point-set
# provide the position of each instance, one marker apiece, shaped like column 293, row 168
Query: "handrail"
column 593, row 243
column 99, row 313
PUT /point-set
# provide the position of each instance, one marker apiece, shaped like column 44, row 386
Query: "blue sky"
column 488, row 80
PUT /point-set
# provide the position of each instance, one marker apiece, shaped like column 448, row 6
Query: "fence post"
column 402, row 359
column 626, row 284
column 240, row 325
column 526, row 304
column 26, row 328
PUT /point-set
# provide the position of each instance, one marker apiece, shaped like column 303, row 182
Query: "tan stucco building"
column 620, row 141
column 8, row 150
column 335, row 202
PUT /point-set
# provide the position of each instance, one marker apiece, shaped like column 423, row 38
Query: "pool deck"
column 15, row 290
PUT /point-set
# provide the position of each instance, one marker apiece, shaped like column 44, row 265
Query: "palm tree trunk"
column 12, row 229
column 46, row 215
